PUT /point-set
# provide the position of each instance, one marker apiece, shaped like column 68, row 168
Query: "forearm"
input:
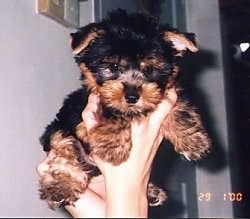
column 125, row 200
column 90, row 205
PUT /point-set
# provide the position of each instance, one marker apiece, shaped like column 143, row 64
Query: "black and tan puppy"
column 130, row 61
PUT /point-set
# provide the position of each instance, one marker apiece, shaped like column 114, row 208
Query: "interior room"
column 38, row 71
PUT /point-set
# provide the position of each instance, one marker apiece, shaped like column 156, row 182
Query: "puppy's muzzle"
column 132, row 81
column 131, row 94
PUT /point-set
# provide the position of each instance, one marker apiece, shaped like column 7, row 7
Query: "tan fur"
column 150, row 93
column 81, row 132
column 89, row 79
column 184, row 129
column 87, row 40
column 110, row 140
column 152, row 61
column 66, row 178
column 172, row 77
column 124, row 62
column 111, row 92
column 156, row 195
column 180, row 42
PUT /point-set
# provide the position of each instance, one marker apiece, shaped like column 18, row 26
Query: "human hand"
column 121, row 190
column 91, row 203
column 127, row 182
column 146, row 138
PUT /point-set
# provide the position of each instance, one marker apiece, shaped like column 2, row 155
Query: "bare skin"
column 121, row 191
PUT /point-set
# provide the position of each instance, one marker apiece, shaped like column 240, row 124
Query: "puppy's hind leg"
column 66, row 177
column 156, row 195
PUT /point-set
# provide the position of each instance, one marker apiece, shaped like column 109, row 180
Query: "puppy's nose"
column 131, row 98
column 131, row 93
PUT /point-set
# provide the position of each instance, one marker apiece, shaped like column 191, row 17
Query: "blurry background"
column 37, row 71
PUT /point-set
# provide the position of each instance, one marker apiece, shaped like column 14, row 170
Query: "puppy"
column 130, row 61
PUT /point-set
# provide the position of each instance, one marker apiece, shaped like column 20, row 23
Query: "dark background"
column 235, row 23
column 235, row 29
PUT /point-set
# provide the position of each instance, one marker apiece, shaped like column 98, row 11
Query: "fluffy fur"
column 131, row 62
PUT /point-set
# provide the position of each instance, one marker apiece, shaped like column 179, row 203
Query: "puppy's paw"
column 184, row 129
column 66, row 175
column 156, row 195
column 63, row 182
column 194, row 147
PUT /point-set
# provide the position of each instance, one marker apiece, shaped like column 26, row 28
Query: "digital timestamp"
column 229, row 196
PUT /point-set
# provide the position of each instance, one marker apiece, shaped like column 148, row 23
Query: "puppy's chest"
column 113, row 116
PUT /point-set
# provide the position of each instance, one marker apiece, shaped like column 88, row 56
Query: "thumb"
column 163, row 108
column 89, row 114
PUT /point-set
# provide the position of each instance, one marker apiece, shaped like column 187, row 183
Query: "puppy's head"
column 129, row 59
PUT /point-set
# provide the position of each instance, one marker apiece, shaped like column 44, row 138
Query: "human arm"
column 126, row 184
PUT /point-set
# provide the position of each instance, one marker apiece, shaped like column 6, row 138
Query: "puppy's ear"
column 84, row 36
column 181, row 42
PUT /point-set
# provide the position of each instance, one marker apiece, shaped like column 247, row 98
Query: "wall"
column 204, row 79
column 105, row 6
column 37, row 70
column 203, row 18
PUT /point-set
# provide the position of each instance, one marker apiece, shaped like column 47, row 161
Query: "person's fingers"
column 152, row 123
column 89, row 205
column 145, row 134
column 102, row 165
column 163, row 109
column 97, row 185
column 90, row 111
column 149, row 157
column 148, row 128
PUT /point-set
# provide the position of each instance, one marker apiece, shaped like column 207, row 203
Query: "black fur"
column 127, row 35
column 67, row 118
column 137, row 54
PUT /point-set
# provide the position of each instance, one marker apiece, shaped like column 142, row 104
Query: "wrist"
column 126, row 200
column 132, row 181
column 126, row 204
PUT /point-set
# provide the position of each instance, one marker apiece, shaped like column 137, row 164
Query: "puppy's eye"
column 114, row 67
column 151, row 73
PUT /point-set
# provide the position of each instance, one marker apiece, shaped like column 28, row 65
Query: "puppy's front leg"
column 184, row 129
